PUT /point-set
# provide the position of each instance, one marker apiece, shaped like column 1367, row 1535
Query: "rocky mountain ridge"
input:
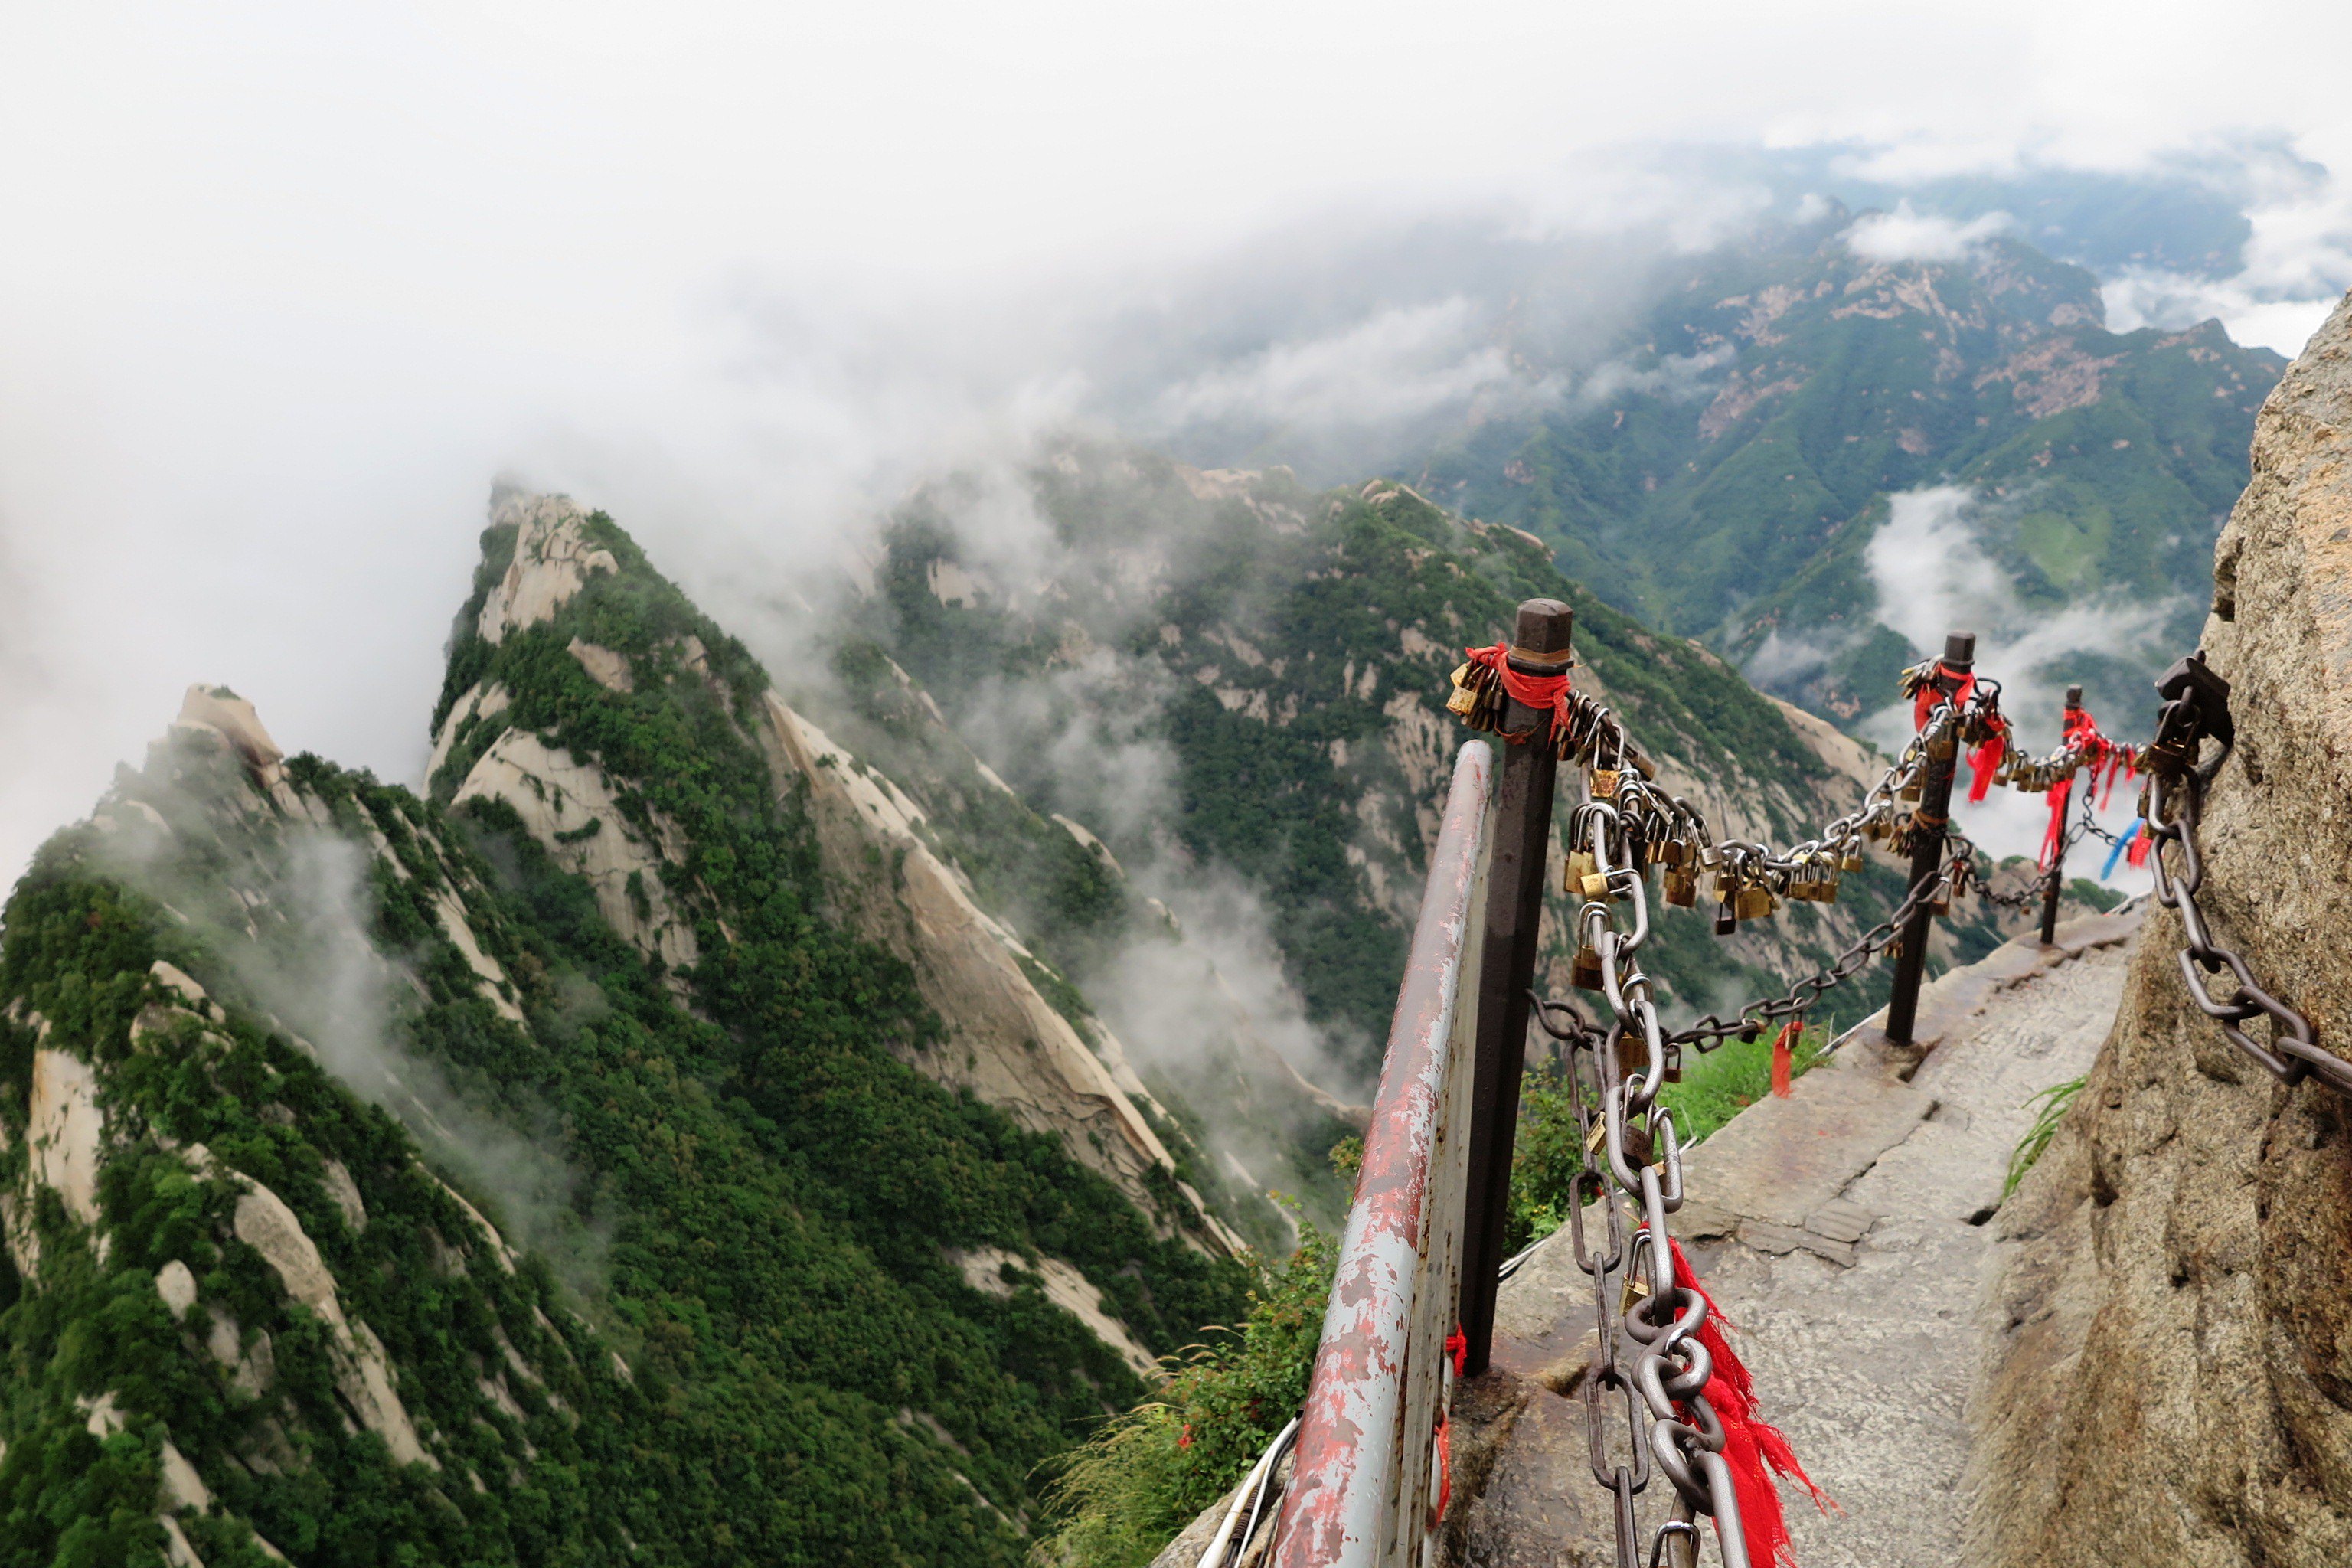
column 1281, row 655
column 685, row 1131
column 1004, row 1041
column 261, row 1013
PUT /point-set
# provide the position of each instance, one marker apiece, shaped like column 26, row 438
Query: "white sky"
column 283, row 286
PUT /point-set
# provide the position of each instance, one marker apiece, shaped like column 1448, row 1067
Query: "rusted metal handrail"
column 1364, row 1476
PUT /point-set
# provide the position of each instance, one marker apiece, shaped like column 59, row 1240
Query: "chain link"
column 1655, row 1413
column 1668, row 829
column 2197, row 709
column 1878, row 816
column 1958, row 876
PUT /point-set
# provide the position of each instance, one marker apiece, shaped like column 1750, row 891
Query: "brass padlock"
column 1584, row 970
column 1852, row 861
column 1754, row 903
column 1604, row 784
column 1464, row 699
column 1595, row 887
column 1682, row 889
column 1580, row 865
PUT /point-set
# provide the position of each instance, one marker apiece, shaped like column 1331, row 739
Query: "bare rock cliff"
column 2169, row 1376
column 1005, row 1042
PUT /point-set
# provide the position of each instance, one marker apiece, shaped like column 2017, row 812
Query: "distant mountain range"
column 1727, row 473
column 1231, row 675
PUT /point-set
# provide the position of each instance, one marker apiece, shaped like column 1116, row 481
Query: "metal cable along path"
column 1371, row 1445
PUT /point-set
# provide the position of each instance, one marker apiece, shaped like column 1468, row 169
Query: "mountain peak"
column 551, row 560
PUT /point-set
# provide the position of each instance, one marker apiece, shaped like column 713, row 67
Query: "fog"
column 290, row 919
column 285, row 288
column 1932, row 573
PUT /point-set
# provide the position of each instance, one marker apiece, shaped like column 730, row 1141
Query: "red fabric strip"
column 1541, row 693
column 1753, row 1448
column 1924, row 702
column 2054, row 838
column 1784, row 1056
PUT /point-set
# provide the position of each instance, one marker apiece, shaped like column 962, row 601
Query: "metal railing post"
column 2058, row 854
column 1360, row 1493
column 1932, row 818
column 1540, row 646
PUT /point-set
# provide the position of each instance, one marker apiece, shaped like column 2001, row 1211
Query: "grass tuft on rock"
column 2054, row 1103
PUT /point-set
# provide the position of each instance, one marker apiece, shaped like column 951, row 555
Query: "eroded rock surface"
column 2170, row 1372
column 1005, row 1042
column 1064, row 1286
column 363, row 1373
column 552, row 561
column 64, row 1127
column 572, row 809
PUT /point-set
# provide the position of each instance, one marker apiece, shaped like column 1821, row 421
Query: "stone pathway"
column 1842, row 1230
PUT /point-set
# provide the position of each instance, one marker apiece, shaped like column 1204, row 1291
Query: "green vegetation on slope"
column 1150, row 1472
column 782, row 1192
column 1274, row 660
column 93, row 1322
column 1726, row 479
column 893, row 1167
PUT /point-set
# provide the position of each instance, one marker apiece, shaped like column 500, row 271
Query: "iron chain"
column 1958, row 876
column 2196, row 710
column 1653, row 1413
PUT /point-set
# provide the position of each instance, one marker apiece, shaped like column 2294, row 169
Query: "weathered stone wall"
column 2169, row 1375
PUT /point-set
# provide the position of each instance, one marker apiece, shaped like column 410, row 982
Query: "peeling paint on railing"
column 1360, row 1490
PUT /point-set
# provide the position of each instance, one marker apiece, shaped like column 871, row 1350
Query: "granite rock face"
column 2168, row 1359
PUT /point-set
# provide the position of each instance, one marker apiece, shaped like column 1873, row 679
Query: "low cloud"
column 1634, row 193
column 1210, row 1015
column 1397, row 366
column 304, row 956
column 2294, row 266
column 1783, row 661
column 1933, row 574
column 1904, row 234
column 1675, row 378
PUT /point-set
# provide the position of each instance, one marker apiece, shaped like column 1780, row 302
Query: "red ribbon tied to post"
column 2106, row 762
column 1541, row 693
column 1985, row 760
